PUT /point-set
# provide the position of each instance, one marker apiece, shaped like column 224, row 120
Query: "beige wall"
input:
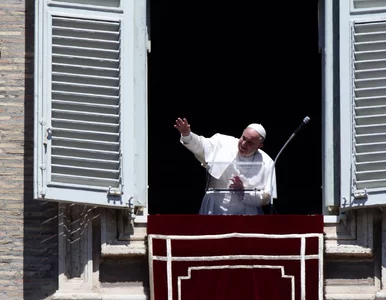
column 28, row 236
column 29, row 229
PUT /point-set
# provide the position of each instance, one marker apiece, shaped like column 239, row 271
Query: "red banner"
column 265, row 257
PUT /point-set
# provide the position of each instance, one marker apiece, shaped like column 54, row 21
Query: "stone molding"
column 75, row 248
column 121, row 236
column 351, row 236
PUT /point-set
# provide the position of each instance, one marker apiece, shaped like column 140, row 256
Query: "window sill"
column 331, row 219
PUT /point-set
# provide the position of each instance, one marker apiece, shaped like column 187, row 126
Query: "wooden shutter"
column 363, row 108
column 89, row 56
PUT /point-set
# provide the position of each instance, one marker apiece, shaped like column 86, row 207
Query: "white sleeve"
column 187, row 138
column 195, row 144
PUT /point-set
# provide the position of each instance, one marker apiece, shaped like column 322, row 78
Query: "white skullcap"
column 259, row 128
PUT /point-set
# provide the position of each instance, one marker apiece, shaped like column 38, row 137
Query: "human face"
column 249, row 142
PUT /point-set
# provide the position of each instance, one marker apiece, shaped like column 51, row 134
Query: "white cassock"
column 219, row 154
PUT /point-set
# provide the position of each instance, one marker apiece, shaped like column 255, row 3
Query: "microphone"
column 304, row 122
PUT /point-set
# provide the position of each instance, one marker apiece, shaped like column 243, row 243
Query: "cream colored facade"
column 70, row 251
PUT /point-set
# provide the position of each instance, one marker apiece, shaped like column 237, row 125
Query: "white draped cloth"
column 219, row 155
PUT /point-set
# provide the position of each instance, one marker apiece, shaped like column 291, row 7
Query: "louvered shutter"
column 90, row 133
column 363, row 105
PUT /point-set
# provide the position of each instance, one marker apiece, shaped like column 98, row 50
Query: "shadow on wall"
column 40, row 240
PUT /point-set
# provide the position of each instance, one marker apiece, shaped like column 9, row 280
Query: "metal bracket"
column 114, row 191
column 131, row 209
column 361, row 194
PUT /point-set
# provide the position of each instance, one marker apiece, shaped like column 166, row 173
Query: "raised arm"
column 190, row 140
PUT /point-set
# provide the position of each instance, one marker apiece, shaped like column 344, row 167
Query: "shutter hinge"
column 42, row 193
column 131, row 209
column 360, row 194
column 47, row 136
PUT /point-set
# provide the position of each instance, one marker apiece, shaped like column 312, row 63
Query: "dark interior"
column 223, row 66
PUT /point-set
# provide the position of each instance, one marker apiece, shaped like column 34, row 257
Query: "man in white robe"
column 241, row 178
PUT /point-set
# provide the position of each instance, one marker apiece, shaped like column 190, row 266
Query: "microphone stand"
column 305, row 121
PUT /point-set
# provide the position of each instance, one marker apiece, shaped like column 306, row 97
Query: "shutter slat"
column 371, row 157
column 370, row 50
column 358, row 4
column 370, row 92
column 371, row 175
column 370, row 110
column 84, row 171
column 371, row 184
column 85, row 162
column 374, row 136
column 370, row 101
column 85, row 52
column 84, row 97
column 85, row 43
column 87, row 116
column 86, row 134
column 90, row 154
column 371, row 120
column 61, row 68
column 368, row 166
column 66, row 143
column 370, row 65
column 103, row 3
column 373, row 52
column 85, row 88
column 82, row 143
column 91, row 79
column 92, row 107
column 85, row 61
column 369, row 83
column 370, row 37
column 369, row 129
column 86, row 23
column 371, row 73
column 86, row 150
column 85, row 153
column 85, row 126
column 76, row 32
column 370, row 27
column 88, row 181
column 370, row 147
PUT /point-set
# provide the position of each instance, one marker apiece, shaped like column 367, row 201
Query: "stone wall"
column 28, row 236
